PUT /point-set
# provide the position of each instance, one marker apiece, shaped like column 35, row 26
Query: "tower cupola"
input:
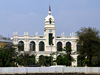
column 49, row 19
column 49, row 31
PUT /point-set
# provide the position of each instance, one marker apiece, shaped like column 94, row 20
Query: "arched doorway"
column 21, row 46
column 41, row 46
column 59, row 46
column 32, row 46
column 41, row 60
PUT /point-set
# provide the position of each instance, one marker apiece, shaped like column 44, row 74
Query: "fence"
column 24, row 70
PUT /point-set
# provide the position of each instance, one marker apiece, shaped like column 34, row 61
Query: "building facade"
column 41, row 44
column 4, row 41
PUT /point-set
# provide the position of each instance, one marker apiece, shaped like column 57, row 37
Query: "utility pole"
column 51, row 54
column 51, row 50
column 51, row 43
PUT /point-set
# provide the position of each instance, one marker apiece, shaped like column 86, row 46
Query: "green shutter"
column 50, row 38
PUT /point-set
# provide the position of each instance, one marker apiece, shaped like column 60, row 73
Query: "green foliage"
column 26, row 60
column 96, row 60
column 80, row 58
column 41, row 60
column 45, row 60
column 85, row 62
column 67, row 50
column 90, row 41
column 7, row 55
column 64, row 58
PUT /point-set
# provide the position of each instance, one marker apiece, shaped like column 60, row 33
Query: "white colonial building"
column 40, row 44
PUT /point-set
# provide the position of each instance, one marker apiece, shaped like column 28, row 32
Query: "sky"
column 29, row 15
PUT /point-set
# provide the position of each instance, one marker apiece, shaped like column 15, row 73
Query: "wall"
column 24, row 70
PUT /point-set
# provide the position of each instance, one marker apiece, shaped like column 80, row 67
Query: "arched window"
column 50, row 21
column 59, row 46
column 68, row 44
column 21, row 46
column 41, row 46
column 32, row 46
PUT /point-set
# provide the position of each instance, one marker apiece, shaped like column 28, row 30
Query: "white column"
column 26, row 45
column 75, row 62
column 37, row 47
column 74, row 46
column 37, row 58
column 63, row 44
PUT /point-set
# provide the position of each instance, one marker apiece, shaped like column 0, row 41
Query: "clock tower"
column 49, row 30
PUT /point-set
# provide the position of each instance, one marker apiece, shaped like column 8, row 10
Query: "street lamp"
column 51, row 50
column 51, row 43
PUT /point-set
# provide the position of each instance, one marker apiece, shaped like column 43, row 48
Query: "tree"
column 7, row 56
column 45, row 60
column 96, row 59
column 26, row 59
column 80, row 61
column 90, row 41
column 64, row 57
column 68, row 50
column 61, row 60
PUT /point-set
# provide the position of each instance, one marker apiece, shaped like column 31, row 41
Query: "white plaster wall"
column 75, row 62
column 52, row 69
column 47, row 47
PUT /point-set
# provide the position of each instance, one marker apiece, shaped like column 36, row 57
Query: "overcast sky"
column 29, row 15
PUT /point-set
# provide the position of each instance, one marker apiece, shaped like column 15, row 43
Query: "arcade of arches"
column 32, row 46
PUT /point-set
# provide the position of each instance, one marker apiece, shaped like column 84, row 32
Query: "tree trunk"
column 81, row 61
column 90, row 63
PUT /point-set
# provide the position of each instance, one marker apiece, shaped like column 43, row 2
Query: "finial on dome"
column 49, row 7
column 49, row 13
